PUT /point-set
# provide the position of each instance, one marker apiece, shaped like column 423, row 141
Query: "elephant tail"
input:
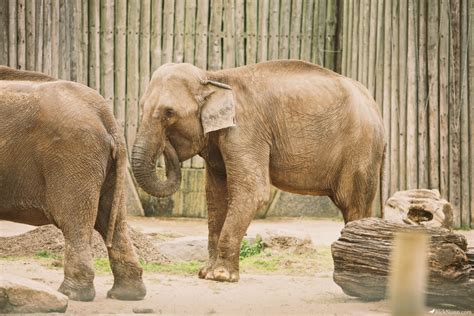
column 119, row 155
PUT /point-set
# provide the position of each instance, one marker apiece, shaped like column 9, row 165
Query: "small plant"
column 249, row 250
column 47, row 255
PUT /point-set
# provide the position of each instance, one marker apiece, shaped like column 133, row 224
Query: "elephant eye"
column 169, row 113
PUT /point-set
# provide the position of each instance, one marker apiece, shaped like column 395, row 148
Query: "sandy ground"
column 255, row 294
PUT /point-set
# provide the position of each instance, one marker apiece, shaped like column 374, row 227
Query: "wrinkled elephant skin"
column 63, row 162
column 292, row 124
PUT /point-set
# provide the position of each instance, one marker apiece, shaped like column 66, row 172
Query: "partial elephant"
column 293, row 124
column 63, row 162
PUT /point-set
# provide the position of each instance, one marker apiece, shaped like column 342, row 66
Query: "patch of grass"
column 101, row 265
column 314, row 261
column 45, row 254
column 249, row 250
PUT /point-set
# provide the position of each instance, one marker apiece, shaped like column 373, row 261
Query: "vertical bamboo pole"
column 21, row 33
column 251, row 27
column 454, row 111
column 4, row 32
column 285, row 11
column 120, row 62
column 307, row 29
column 156, row 34
column 94, row 45
column 364, row 39
column 178, row 50
column 47, row 37
column 12, row 34
column 345, row 39
column 423, row 165
column 168, row 29
column 262, row 43
column 273, row 28
column 411, row 123
column 354, row 40
column 387, row 97
column 379, row 57
column 202, row 33
column 215, row 48
column 295, row 29
column 73, row 38
column 315, row 36
column 39, row 8
column 133, row 71
column 339, row 16
column 372, row 31
column 63, row 52
column 349, row 39
column 322, row 17
column 360, row 39
column 330, row 37
column 471, row 101
column 433, row 92
column 464, row 103
column 85, row 44
column 229, row 31
column 239, row 32
column 144, row 39
column 69, row 38
column 107, row 51
column 443, row 98
column 30, row 35
column 55, row 38
column 402, row 97
column 394, row 92
column 189, row 31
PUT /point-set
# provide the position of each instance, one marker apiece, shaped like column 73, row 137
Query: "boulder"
column 20, row 295
column 419, row 207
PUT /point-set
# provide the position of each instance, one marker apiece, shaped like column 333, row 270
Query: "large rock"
column 419, row 207
column 20, row 295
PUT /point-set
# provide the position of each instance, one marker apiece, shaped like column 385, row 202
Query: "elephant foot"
column 128, row 292
column 221, row 274
column 84, row 294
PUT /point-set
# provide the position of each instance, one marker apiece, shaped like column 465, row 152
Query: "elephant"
column 63, row 162
column 287, row 123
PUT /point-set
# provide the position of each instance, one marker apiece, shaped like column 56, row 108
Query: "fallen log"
column 362, row 262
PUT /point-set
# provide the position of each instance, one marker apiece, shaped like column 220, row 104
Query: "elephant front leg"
column 248, row 190
column 216, row 196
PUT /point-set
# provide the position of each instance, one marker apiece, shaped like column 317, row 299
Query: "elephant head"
column 180, row 106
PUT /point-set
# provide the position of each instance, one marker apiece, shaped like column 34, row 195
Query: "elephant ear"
column 218, row 111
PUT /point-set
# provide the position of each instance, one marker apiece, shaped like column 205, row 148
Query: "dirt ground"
column 255, row 294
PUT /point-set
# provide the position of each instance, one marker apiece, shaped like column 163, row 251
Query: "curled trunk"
column 144, row 156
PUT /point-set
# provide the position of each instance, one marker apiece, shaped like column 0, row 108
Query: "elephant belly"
column 301, row 180
column 30, row 216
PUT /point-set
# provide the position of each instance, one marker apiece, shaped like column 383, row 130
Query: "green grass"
column 45, row 254
column 249, row 250
column 101, row 265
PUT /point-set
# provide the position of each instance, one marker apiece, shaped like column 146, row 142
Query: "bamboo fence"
column 416, row 57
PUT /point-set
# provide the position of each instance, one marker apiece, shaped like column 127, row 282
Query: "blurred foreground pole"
column 408, row 274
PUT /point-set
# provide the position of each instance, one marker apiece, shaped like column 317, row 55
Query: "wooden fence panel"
column 416, row 58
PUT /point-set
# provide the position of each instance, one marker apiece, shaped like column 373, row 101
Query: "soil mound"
column 288, row 244
column 49, row 238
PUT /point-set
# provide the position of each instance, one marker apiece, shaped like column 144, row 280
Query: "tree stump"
column 362, row 262
column 419, row 207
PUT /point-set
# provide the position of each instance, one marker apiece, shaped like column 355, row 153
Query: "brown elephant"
column 293, row 124
column 63, row 162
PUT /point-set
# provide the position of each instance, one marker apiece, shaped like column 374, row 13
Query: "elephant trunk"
column 146, row 150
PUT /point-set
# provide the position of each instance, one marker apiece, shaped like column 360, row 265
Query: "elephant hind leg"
column 128, row 283
column 74, row 214
column 355, row 193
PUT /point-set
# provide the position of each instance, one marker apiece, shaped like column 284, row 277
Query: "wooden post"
column 30, row 34
column 262, row 32
column 322, row 16
column 283, row 49
column 179, row 20
column 387, row 97
column 402, row 97
column 423, row 145
column 330, row 36
column 240, row 33
column 55, row 38
column 168, row 28
column 107, row 49
column 39, row 35
column 12, row 34
column 306, row 30
column 295, row 29
column 251, row 26
column 433, row 92
column 144, row 39
column 471, row 110
column 133, row 26
column 354, row 41
column 408, row 274
column 21, row 33
column 411, row 100
column 156, row 34
column 120, row 62
column 394, row 92
column 215, row 47
column 229, row 31
column 4, row 32
column 350, row 43
column 372, row 31
column 443, row 98
column 94, row 45
column 64, row 57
